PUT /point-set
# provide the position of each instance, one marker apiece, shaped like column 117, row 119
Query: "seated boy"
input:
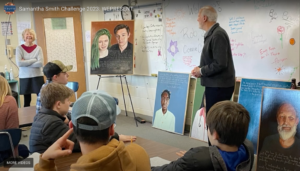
column 93, row 118
column 227, row 123
column 56, row 72
column 48, row 124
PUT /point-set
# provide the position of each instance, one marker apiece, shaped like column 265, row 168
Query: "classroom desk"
column 26, row 115
column 153, row 149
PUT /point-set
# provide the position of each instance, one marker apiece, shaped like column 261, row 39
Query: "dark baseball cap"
column 54, row 68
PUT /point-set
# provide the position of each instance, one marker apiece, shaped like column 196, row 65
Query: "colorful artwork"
column 173, row 49
column 281, row 30
column 112, row 48
column 198, row 122
column 170, row 101
column 250, row 98
column 279, row 142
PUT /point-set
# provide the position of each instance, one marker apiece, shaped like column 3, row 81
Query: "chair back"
column 14, row 133
column 73, row 85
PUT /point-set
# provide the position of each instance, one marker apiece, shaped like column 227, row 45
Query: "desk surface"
column 26, row 115
column 152, row 148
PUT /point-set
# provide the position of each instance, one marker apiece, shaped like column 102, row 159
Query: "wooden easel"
column 122, row 93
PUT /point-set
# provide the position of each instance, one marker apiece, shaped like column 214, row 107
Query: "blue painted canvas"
column 250, row 97
column 279, row 142
column 171, row 101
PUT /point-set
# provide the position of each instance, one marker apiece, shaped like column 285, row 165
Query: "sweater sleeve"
column 45, row 165
column 12, row 120
column 40, row 59
column 219, row 45
column 195, row 159
column 19, row 57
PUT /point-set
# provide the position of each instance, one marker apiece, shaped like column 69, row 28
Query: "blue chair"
column 74, row 86
column 9, row 139
column 117, row 100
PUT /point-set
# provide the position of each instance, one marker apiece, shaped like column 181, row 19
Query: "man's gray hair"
column 210, row 12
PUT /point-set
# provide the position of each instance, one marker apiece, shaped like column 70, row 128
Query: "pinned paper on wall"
column 6, row 28
column 21, row 26
column 88, row 36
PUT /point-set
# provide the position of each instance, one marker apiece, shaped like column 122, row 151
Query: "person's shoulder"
column 114, row 47
column 139, row 155
column 130, row 45
column 158, row 111
column 198, row 156
column 201, row 149
column 20, row 47
column 171, row 113
column 10, row 100
column 136, row 150
column 219, row 31
column 135, row 147
column 38, row 47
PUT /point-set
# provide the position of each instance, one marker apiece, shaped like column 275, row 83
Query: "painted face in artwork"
column 122, row 36
column 165, row 100
column 287, row 121
column 103, row 42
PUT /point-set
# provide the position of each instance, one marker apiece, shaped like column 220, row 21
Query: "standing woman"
column 30, row 60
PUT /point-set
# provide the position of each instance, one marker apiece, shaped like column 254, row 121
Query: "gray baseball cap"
column 97, row 105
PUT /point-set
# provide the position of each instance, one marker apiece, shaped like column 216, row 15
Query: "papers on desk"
column 157, row 161
column 36, row 159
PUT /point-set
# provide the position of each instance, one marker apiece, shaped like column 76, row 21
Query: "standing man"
column 216, row 68
column 123, row 51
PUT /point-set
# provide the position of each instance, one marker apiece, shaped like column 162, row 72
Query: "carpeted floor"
column 127, row 126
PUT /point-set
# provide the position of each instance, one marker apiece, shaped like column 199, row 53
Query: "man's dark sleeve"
column 195, row 159
column 220, row 46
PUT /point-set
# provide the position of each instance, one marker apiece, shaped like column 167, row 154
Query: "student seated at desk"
column 230, row 151
column 57, row 72
column 51, row 121
column 93, row 117
column 9, row 118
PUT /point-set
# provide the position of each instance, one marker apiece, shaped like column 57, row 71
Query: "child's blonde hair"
column 4, row 90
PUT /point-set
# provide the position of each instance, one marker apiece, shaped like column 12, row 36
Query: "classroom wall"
column 142, row 88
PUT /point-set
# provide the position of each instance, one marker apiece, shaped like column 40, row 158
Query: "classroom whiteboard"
column 261, row 34
column 149, row 51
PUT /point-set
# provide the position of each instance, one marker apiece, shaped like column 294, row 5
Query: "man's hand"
column 196, row 72
column 127, row 138
column 181, row 153
column 56, row 149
